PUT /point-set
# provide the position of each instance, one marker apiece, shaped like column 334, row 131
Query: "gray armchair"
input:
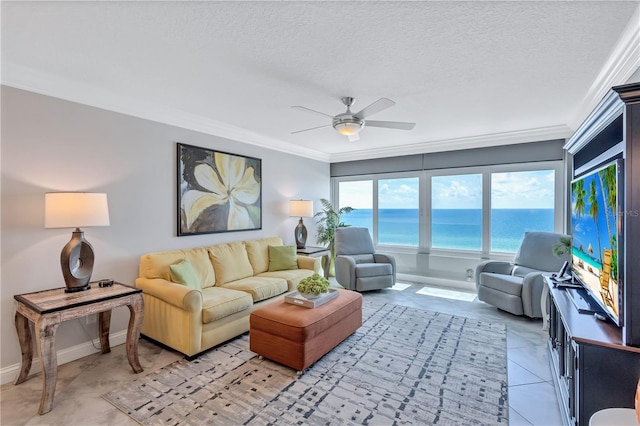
column 358, row 266
column 517, row 287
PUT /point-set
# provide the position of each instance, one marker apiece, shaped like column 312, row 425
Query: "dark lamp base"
column 76, row 289
column 301, row 235
column 76, row 260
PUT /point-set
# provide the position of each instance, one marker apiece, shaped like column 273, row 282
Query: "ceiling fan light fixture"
column 348, row 126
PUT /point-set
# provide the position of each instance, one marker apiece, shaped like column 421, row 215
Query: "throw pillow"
column 258, row 252
column 282, row 258
column 184, row 273
column 230, row 262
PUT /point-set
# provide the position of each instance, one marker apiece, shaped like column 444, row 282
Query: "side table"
column 47, row 309
column 318, row 252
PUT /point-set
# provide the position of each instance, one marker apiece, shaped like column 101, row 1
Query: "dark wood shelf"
column 592, row 369
column 585, row 328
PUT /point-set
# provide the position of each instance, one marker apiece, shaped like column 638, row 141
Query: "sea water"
column 459, row 229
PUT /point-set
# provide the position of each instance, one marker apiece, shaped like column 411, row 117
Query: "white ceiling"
column 470, row 74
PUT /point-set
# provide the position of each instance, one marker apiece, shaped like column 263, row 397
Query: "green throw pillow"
column 282, row 258
column 184, row 273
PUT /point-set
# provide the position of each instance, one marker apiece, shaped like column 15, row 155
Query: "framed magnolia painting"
column 217, row 191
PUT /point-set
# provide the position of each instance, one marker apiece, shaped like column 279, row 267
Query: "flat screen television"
column 597, row 217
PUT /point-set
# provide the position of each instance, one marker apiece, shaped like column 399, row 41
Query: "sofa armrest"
column 174, row 294
column 386, row 258
column 346, row 271
column 494, row 267
column 532, row 285
column 311, row 263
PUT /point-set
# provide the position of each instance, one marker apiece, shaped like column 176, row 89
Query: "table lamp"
column 73, row 210
column 300, row 208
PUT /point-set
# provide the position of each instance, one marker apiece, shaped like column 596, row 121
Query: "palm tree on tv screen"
column 594, row 209
column 607, row 179
column 578, row 189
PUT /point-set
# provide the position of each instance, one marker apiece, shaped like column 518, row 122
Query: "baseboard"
column 10, row 373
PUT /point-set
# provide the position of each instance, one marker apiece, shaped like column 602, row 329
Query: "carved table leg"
column 133, row 332
column 26, row 346
column 104, row 323
column 46, row 332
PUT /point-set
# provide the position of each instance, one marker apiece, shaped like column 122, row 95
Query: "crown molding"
column 623, row 61
column 606, row 111
column 495, row 139
column 48, row 85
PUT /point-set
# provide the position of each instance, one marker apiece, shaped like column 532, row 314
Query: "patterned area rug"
column 403, row 366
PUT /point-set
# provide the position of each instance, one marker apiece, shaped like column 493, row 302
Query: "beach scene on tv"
column 594, row 222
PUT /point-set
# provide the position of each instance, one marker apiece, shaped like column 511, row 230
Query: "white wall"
column 635, row 77
column 49, row 144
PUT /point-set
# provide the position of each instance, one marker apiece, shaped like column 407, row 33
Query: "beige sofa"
column 233, row 280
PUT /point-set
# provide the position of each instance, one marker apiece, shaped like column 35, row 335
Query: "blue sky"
column 584, row 230
column 523, row 190
column 511, row 190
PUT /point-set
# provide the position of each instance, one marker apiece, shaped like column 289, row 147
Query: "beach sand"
column 591, row 278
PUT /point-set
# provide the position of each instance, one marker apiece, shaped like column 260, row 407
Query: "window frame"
column 424, row 202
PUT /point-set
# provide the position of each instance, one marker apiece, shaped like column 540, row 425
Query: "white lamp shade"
column 75, row 209
column 301, row 208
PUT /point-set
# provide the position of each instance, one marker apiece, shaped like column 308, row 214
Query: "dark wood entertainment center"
column 596, row 364
column 592, row 368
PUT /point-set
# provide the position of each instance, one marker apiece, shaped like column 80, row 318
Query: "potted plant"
column 328, row 220
column 313, row 286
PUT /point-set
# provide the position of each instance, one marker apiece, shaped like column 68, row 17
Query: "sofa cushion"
column 260, row 288
column 509, row 284
column 282, row 258
column 373, row 269
column 258, row 252
column 230, row 261
column 293, row 276
column 184, row 273
column 156, row 265
column 218, row 302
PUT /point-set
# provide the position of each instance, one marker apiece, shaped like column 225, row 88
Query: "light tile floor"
column 532, row 397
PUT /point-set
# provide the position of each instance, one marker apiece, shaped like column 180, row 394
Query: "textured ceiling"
column 467, row 73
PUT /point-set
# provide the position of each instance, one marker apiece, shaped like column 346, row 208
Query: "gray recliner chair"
column 358, row 266
column 517, row 287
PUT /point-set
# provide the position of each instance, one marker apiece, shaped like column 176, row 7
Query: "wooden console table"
column 47, row 309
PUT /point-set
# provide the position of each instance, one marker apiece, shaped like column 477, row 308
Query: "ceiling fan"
column 350, row 124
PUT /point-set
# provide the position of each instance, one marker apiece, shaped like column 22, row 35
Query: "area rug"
column 403, row 366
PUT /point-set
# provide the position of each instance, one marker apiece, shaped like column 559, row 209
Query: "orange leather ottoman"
column 297, row 336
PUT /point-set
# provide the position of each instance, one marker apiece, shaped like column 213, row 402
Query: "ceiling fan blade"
column 390, row 124
column 354, row 137
column 301, row 108
column 313, row 128
column 377, row 106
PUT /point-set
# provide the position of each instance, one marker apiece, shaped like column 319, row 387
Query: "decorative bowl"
column 311, row 296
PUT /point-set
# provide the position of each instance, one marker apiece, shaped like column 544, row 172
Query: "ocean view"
column 455, row 228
